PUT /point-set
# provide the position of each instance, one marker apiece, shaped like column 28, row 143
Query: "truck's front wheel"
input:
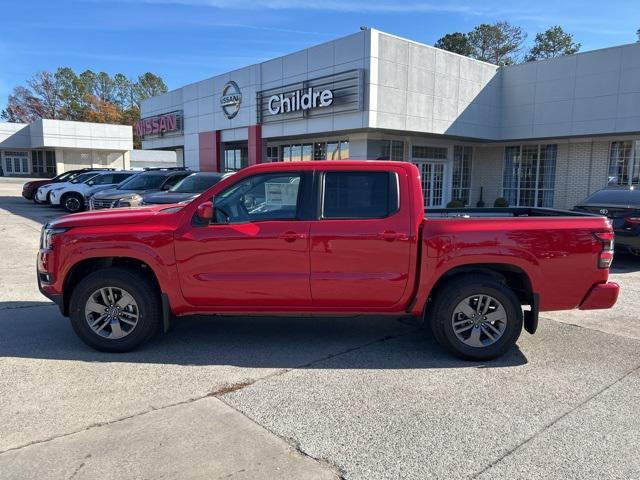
column 115, row 310
column 476, row 317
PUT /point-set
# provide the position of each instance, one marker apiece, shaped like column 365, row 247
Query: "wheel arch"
column 510, row 275
column 89, row 265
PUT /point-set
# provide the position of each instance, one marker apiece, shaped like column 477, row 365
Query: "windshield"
column 143, row 181
column 196, row 183
column 66, row 176
column 84, row 177
column 614, row 196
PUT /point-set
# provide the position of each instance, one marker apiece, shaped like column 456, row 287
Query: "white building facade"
column 543, row 133
column 47, row 148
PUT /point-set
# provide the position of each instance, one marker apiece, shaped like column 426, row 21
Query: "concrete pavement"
column 307, row 397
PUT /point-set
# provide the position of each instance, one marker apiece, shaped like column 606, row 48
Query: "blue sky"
column 189, row 40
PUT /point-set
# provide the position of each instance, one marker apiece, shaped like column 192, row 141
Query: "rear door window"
column 359, row 195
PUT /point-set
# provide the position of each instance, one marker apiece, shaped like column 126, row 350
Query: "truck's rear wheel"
column 476, row 317
column 115, row 310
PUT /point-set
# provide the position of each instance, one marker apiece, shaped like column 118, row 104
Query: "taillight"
column 632, row 221
column 606, row 254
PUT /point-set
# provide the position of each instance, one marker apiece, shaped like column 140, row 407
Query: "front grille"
column 100, row 204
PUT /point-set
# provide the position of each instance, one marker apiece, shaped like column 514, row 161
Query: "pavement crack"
column 557, row 419
column 102, row 424
column 79, row 467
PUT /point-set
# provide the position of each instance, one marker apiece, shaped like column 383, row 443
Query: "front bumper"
column 47, row 288
column 54, row 198
column 601, row 296
column 27, row 193
column 42, row 196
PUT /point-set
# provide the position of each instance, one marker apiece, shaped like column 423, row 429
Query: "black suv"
column 622, row 206
column 129, row 193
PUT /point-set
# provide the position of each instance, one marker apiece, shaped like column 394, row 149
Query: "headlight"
column 46, row 236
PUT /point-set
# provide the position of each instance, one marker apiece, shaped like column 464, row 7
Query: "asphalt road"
column 309, row 397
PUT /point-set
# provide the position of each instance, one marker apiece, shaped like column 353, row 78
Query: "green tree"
column 638, row 34
column 89, row 97
column 148, row 85
column 497, row 43
column 552, row 43
column 455, row 42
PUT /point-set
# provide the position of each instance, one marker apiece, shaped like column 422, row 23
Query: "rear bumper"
column 603, row 295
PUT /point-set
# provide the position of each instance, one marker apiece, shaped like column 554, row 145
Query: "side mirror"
column 166, row 187
column 205, row 211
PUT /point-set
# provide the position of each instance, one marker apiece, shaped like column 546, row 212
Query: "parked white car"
column 73, row 196
column 43, row 193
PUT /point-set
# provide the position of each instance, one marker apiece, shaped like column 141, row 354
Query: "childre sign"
column 298, row 100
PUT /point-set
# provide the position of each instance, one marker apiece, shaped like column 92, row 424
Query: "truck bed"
column 495, row 212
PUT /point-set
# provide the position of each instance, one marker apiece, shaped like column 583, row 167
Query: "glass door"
column 432, row 175
column 17, row 163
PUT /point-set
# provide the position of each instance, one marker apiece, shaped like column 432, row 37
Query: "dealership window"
column 385, row 150
column 529, row 175
column 624, row 163
column 272, row 154
column 461, row 186
column 334, row 150
column 43, row 161
column 235, row 157
column 429, row 153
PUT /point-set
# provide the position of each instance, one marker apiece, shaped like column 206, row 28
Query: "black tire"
column 139, row 286
column 449, row 296
column 72, row 202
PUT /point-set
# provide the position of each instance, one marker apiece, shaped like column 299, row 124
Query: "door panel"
column 361, row 262
column 257, row 252
column 246, row 265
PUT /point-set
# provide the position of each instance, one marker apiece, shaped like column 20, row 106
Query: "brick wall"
column 487, row 173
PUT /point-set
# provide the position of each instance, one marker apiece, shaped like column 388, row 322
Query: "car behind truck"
column 341, row 238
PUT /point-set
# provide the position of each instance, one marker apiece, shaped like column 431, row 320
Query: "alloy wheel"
column 479, row 320
column 72, row 204
column 112, row 312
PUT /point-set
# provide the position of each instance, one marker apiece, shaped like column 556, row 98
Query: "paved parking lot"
column 309, row 398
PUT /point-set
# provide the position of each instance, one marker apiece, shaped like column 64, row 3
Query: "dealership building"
column 544, row 133
column 46, row 148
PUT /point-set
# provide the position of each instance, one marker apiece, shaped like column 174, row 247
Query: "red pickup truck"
column 336, row 238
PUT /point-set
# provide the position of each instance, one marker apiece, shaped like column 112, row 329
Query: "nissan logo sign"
column 231, row 99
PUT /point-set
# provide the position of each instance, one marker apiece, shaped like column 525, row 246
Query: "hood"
column 50, row 186
column 121, row 216
column 98, row 188
column 115, row 194
column 38, row 183
column 167, row 197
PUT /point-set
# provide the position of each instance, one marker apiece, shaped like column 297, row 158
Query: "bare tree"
column 497, row 43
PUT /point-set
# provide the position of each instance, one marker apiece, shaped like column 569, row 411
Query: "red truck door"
column 360, row 248
column 255, row 253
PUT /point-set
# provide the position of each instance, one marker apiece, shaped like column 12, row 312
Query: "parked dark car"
column 187, row 189
column 29, row 189
column 622, row 206
column 129, row 193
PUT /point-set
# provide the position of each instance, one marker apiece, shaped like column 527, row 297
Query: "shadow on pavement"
column 27, row 209
column 37, row 330
column 624, row 262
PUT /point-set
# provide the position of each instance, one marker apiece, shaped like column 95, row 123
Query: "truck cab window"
column 359, row 195
column 259, row 198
